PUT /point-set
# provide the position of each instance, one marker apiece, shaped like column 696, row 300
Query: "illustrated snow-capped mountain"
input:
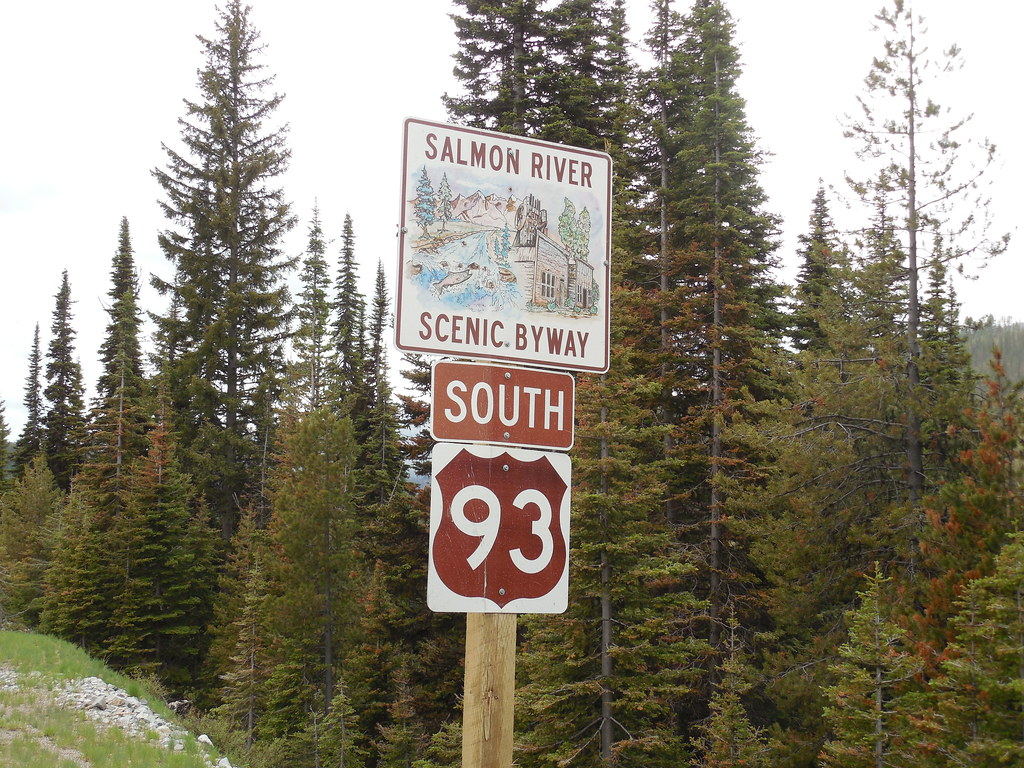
column 487, row 210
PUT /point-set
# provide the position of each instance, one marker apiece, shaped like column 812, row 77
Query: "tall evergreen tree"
column 310, row 378
column 499, row 58
column 820, row 286
column 30, row 518
column 871, row 725
column 64, row 423
column 165, row 556
column 349, row 318
column 122, row 412
column 5, row 449
column 30, row 441
column 914, row 149
column 222, row 337
column 979, row 700
column 314, row 524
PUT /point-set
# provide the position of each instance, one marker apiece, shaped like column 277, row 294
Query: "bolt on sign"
column 502, row 405
column 499, row 530
column 505, row 249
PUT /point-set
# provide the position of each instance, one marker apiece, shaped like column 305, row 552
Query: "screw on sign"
column 499, row 530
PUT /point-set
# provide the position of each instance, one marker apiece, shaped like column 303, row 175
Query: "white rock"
column 223, row 763
column 204, row 739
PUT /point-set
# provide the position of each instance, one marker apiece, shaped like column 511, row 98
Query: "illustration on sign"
column 504, row 248
column 499, row 530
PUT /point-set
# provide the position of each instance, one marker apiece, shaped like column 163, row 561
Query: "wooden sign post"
column 487, row 716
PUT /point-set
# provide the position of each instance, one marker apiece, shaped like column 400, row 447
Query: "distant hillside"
column 1007, row 337
column 58, row 707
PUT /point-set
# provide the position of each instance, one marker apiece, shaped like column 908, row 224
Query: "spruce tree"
column 122, row 410
column 820, row 286
column 165, row 557
column 314, row 525
column 5, row 449
column 349, row 320
column 30, row 518
column 30, row 441
column 310, row 372
column 980, row 697
column 222, row 336
column 64, row 423
column 499, row 58
column 868, row 714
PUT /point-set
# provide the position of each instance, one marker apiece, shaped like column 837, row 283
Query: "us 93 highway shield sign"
column 499, row 530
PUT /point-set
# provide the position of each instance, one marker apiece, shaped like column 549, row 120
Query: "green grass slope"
column 35, row 732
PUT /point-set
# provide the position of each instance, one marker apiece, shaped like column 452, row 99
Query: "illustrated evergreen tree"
column 867, row 712
column 30, row 517
column 443, row 211
column 30, row 441
column 64, row 422
column 424, row 208
column 914, row 150
column 221, row 338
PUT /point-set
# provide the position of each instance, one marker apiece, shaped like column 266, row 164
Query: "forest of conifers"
column 795, row 507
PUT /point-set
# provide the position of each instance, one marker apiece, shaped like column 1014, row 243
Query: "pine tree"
column 584, row 84
column 820, row 286
column 310, row 376
column 244, row 690
column 30, row 441
column 122, row 411
column 499, row 57
column 727, row 739
column 64, row 423
column 30, row 517
column 869, row 720
column 970, row 515
column 5, row 449
column 914, row 150
column 165, row 556
column 980, row 697
column 314, row 527
column 722, row 353
column 223, row 334
column 624, row 656
column 349, row 321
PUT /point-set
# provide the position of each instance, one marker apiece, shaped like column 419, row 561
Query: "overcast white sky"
column 92, row 89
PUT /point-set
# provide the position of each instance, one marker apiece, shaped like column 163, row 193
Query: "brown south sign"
column 503, row 405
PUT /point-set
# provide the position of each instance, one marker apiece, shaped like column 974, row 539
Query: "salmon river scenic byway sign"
column 504, row 257
column 504, row 249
